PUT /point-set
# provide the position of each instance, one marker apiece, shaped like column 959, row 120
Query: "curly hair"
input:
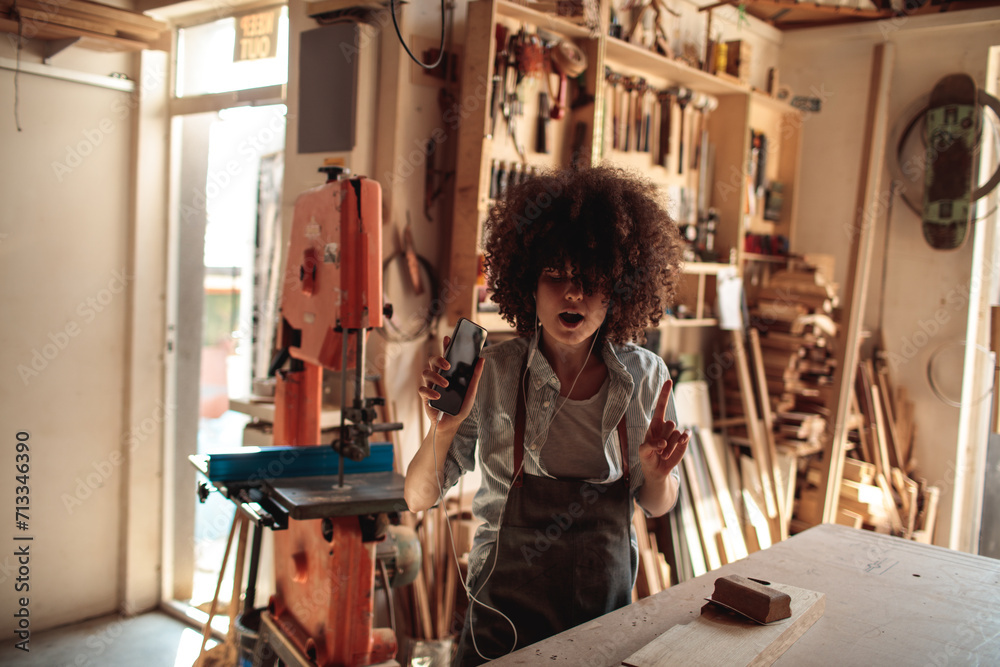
column 607, row 223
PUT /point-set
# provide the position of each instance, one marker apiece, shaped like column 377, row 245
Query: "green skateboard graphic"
column 952, row 132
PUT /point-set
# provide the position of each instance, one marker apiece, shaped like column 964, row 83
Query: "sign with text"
column 257, row 35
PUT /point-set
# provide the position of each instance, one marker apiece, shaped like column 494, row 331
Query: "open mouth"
column 571, row 318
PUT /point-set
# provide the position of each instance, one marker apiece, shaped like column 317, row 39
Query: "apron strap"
column 519, row 428
column 623, row 445
column 519, row 434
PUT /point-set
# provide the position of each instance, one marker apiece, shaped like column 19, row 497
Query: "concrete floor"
column 154, row 639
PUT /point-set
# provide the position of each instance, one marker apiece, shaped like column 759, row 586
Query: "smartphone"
column 466, row 343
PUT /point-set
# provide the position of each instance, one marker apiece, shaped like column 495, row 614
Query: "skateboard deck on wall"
column 951, row 133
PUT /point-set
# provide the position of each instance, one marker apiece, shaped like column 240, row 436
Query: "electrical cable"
column 395, row 24
column 454, row 549
column 391, row 331
column 17, row 70
column 388, row 594
column 933, row 363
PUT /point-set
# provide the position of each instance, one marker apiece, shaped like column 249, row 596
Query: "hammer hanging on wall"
column 683, row 97
column 665, row 99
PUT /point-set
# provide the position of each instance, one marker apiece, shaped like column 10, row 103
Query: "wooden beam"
column 855, row 294
column 995, row 346
column 471, row 162
column 780, row 485
column 757, row 446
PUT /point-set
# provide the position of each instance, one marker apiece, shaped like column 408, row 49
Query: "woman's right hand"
column 432, row 376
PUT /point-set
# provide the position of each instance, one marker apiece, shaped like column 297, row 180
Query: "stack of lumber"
column 771, row 400
column 877, row 491
column 430, row 604
column 654, row 574
column 91, row 25
column 797, row 335
column 708, row 528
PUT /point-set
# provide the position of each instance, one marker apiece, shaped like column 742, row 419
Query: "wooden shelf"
column 704, row 268
column 644, row 61
column 739, row 109
column 689, row 323
column 774, row 104
column 548, row 22
column 90, row 25
column 774, row 259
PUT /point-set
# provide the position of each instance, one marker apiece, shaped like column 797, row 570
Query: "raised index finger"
column 659, row 415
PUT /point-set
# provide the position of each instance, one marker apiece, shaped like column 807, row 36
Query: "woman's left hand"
column 664, row 446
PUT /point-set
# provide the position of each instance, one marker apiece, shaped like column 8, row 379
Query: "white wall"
column 923, row 306
column 78, row 300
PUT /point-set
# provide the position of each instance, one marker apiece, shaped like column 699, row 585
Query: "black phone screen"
column 463, row 352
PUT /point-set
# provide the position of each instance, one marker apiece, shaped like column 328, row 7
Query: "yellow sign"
column 257, row 35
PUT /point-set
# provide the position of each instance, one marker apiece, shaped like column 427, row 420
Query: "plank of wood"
column 703, row 499
column 929, row 518
column 664, row 567
column 859, row 270
column 113, row 25
column 426, row 629
column 472, row 157
column 904, row 414
column 757, row 445
column 788, row 471
column 88, row 40
column 450, row 585
column 890, row 504
column 758, row 525
column 689, row 525
column 768, row 420
column 881, row 450
column 995, row 347
column 859, row 471
column 720, row 637
column 115, row 14
column 913, row 491
column 733, row 530
column 62, row 19
column 441, row 558
column 679, row 550
column 647, row 575
column 845, row 517
column 862, row 430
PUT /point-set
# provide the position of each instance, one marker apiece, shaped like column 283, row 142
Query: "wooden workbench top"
column 889, row 601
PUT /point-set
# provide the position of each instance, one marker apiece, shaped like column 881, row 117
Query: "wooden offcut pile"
column 797, row 336
column 877, row 491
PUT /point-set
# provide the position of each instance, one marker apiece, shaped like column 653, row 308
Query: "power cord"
column 454, row 551
column 503, row 507
column 395, row 24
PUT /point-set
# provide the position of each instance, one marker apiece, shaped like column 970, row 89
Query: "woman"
column 571, row 421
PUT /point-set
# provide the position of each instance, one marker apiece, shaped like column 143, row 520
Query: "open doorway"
column 226, row 170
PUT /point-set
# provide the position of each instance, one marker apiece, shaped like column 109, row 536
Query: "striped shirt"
column 635, row 376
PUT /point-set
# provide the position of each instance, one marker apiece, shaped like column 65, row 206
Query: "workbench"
column 889, row 601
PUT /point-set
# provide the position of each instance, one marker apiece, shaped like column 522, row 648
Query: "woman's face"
column 568, row 315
